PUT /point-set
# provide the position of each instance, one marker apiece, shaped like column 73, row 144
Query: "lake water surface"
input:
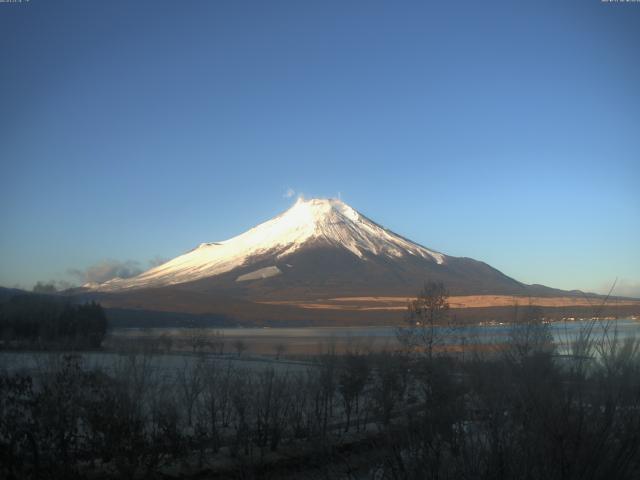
column 264, row 345
column 315, row 339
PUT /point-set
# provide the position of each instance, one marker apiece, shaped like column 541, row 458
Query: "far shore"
column 457, row 302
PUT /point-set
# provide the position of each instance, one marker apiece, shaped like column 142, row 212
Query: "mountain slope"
column 319, row 248
column 317, row 222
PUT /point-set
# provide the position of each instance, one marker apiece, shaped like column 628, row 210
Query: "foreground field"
column 534, row 408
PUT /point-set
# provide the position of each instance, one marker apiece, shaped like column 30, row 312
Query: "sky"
column 504, row 131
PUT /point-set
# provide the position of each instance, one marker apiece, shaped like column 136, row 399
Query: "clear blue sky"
column 500, row 130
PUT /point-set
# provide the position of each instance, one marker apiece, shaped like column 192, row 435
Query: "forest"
column 32, row 321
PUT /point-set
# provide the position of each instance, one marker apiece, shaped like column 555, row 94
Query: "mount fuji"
column 315, row 256
column 318, row 247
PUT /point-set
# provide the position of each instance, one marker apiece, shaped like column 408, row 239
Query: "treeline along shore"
column 43, row 322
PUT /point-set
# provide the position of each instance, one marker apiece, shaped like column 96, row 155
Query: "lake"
column 172, row 348
column 310, row 340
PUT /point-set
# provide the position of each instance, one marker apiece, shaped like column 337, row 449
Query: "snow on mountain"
column 325, row 221
column 261, row 273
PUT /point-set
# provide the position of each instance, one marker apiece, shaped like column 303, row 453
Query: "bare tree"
column 240, row 346
column 214, row 404
column 327, row 388
column 351, row 382
column 280, row 349
column 302, row 387
column 197, row 339
column 271, row 407
column 425, row 316
column 529, row 334
column 242, row 401
column 389, row 385
column 218, row 342
column 192, row 383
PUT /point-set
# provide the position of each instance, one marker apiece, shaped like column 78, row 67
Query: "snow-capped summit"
column 325, row 223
